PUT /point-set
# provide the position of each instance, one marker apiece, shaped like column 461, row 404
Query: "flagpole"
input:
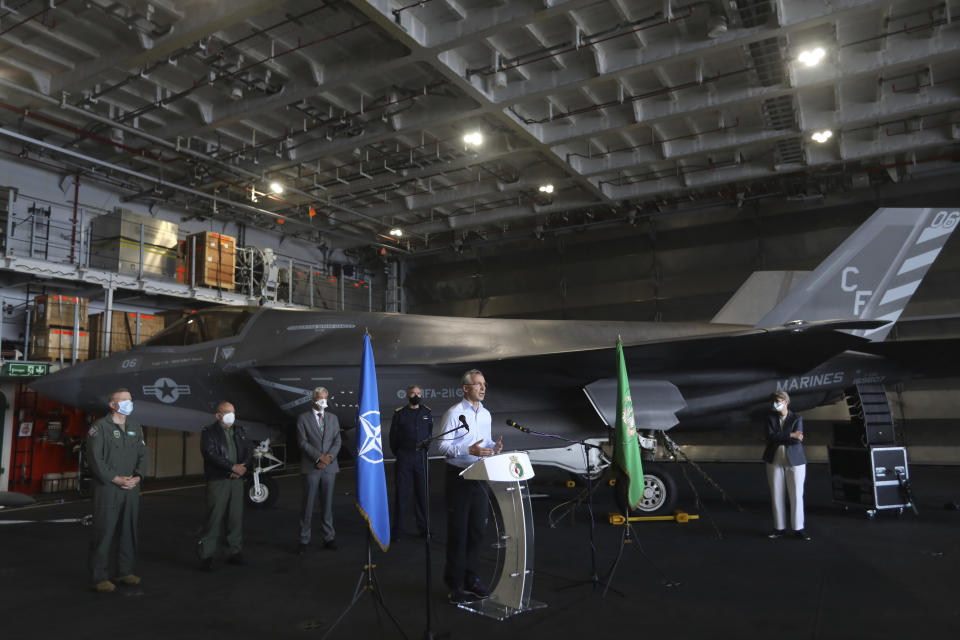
column 627, row 458
column 371, row 485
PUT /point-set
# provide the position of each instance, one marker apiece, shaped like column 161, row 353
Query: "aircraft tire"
column 269, row 492
column 659, row 494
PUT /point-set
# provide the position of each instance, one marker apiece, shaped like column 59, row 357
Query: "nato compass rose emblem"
column 371, row 450
column 166, row 390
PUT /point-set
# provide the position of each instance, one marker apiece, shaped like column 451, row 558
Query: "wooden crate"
column 212, row 275
column 215, row 260
column 58, row 311
column 123, row 331
column 52, row 343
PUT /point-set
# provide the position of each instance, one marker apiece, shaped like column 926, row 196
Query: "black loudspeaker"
column 850, row 434
column 871, row 421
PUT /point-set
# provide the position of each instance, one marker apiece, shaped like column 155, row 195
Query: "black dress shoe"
column 237, row 559
column 302, row 548
column 331, row 545
column 802, row 535
column 206, row 564
column 776, row 533
column 474, row 587
column 459, row 596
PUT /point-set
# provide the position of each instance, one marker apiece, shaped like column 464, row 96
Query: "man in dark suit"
column 786, row 466
column 227, row 456
column 318, row 433
column 411, row 424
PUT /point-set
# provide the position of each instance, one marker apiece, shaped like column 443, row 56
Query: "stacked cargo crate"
column 57, row 322
column 214, row 258
column 132, row 244
column 127, row 329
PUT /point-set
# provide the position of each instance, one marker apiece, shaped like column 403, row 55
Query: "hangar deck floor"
column 891, row 577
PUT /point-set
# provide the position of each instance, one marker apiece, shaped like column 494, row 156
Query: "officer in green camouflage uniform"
column 227, row 455
column 116, row 454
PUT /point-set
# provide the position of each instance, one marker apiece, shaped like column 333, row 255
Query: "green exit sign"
column 24, row 369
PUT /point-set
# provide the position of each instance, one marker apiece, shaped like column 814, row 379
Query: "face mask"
column 228, row 418
column 414, row 400
column 778, row 406
column 125, row 407
column 321, row 404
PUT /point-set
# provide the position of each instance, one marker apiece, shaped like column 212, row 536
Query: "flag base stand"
column 629, row 536
column 367, row 584
column 594, row 580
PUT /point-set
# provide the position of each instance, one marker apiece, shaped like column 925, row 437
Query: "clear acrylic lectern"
column 506, row 476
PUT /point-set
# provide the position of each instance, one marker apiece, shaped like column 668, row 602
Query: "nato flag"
column 371, row 480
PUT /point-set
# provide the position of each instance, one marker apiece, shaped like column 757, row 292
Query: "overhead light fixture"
column 821, row 136
column 812, row 57
column 396, row 232
column 473, row 139
column 546, row 188
column 276, row 187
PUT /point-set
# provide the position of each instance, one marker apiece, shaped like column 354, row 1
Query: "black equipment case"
column 875, row 477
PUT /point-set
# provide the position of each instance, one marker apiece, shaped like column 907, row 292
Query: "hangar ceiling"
column 360, row 109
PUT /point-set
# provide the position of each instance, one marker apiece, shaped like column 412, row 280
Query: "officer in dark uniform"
column 411, row 424
column 227, row 456
column 116, row 454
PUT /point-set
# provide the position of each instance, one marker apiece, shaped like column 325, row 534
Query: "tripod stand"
column 367, row 584
column 594, row 579
column 424, row 445
column 629, row 536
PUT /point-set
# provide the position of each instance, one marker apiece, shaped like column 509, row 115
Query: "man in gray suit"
column 318, row 432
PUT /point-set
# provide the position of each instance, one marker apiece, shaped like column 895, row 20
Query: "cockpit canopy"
column 204, row 326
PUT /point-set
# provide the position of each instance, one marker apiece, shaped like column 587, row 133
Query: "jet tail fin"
column 873, row 273
column 755, row 296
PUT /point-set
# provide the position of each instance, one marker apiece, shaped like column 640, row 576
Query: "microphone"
column 513, row 423
column 463, row 421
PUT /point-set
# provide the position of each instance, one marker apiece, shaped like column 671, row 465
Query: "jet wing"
column 793, row 348
column 933, row 356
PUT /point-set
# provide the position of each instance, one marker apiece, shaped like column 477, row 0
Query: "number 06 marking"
column 945, row 219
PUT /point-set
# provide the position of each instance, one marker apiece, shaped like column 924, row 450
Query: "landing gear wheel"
column 659, row 492
column 265, row 497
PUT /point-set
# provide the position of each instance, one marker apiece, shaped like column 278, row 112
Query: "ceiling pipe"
column 250, row 175
column 503, row 214
column 220, row 78
column 187, row 50
column 158, row 181
column 585, row 42
column 617, row 103
column 653, row 141
column 427, row 90
column 34, row 17
column 26, row 113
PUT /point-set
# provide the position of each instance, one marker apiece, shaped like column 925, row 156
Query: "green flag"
column 626, row 447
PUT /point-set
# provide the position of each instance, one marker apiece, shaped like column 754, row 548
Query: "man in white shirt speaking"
column 466, row 499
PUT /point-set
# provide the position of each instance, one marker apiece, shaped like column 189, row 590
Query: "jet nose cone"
column 64, row 386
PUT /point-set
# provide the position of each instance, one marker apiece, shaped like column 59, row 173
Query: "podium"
column 506, row 476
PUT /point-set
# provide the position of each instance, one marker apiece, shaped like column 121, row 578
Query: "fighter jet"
column 556, row 376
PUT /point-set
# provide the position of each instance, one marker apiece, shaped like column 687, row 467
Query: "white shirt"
column 455, row 445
